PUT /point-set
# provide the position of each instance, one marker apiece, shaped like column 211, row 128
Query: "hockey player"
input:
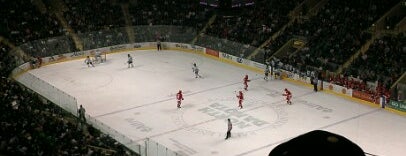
column 179, row 97
column 196, row 71
column 158, row 45
column 288, row 95
column 81, row 114
column 266, row 73
column 88, row 61
column 130, row 61
column 240, row 97
column 246, row 80
column 229, row 128
column 82, row 119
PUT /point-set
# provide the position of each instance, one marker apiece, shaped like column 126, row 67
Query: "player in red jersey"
column 288, row 95
column 246, row 80
column 179, row 97
column 240, row 97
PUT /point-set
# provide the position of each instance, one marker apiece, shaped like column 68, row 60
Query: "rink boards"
column 140, row 104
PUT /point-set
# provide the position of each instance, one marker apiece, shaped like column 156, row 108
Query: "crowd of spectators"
column 391, row 21
column 31, row 125
column 169, row 12
column 49, row 46
column 253, row 24
column 334, row 34
column 22, row 21
column 375, row 90
column 7, row 63
column 93, row 15
column 104, row 38
column 384, row 61
column 382, row 64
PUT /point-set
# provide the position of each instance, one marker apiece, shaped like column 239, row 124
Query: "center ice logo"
column 240, row 119
column 210, row 120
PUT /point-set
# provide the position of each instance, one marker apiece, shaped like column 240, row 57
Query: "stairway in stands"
column 58, row 7
column 294, row 14
column 128, row 23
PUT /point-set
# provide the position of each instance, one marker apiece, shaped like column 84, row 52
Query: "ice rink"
column 140, row 103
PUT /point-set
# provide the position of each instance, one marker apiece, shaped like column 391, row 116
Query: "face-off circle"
column 247, row 121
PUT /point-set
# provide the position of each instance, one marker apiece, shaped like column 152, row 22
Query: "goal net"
column 98, row 56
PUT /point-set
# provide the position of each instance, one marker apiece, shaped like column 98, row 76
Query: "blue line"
column 156, row 102
column 354, row 117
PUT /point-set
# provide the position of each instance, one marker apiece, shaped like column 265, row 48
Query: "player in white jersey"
column 130, row 61
column 266, row 73
column 196, row 70
column 88, row 61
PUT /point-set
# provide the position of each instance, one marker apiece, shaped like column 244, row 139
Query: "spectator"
column 30, row 126
column 81, row 114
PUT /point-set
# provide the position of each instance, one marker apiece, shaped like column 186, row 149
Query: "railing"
column 146, row 147
column 92, row 40
column 49, row 47
column 155, row 148
column 123, row 139
column 164, row 33
column 398, row 90
column 104, row 38
column 230, row 47
column 398, row 96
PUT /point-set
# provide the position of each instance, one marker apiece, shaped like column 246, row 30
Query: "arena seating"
column 31, row 125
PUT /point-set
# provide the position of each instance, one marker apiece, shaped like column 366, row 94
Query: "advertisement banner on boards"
column 226, row 56
column 198, row 49
column 401, row 106
column 212, row 52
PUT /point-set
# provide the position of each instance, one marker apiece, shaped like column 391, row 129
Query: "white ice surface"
column 125, row 98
